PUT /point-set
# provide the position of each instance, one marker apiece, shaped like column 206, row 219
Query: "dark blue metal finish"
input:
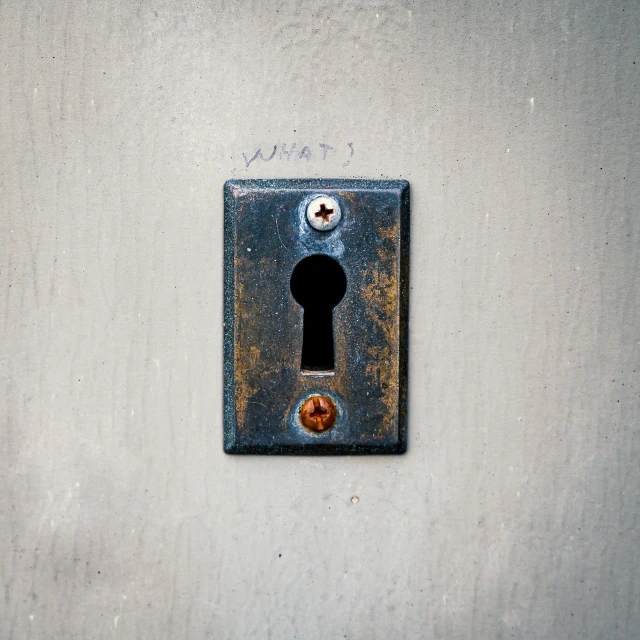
column 266, row 235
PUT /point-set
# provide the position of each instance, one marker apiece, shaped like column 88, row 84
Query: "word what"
column 321, row 151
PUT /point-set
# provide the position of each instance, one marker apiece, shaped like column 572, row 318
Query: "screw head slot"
column 323, row 213
column 318, row 413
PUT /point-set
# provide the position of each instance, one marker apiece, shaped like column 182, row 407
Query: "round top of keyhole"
column 318, row 282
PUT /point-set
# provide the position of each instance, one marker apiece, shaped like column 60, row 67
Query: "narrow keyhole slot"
column 318, row 284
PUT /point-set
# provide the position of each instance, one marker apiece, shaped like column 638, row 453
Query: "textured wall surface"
column 515, row 512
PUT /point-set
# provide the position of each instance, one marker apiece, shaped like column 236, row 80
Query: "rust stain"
column 246, row 363
column 247, row 356
column 381, row 298
column 389, row 234
column 349, row 196
column 250, row 369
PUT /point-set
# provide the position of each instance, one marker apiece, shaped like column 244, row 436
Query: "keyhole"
column 318, row 284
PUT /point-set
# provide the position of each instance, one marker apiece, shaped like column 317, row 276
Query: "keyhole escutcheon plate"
column 347, row 360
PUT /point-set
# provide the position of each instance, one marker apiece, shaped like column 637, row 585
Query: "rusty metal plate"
column 315, row 379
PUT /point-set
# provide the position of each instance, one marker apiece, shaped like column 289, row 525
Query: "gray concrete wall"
column 514, row 513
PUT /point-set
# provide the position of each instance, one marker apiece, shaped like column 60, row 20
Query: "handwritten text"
column 306, row 153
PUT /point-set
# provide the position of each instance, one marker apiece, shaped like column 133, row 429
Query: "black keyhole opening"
column 318, row 284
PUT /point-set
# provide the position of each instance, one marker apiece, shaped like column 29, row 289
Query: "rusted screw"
column 323, row 213
column 318, row 413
